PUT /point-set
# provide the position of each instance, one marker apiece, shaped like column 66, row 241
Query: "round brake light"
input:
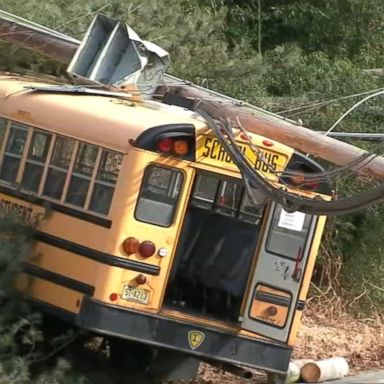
column 131, row 245
column 147, row 248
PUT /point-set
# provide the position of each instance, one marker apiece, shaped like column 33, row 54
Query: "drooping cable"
column 288, row 200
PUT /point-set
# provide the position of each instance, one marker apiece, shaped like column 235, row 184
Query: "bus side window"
column 104, row 187
column 36, row 159
column 58, row 168
column 159, row 195
column 13, row 152
column 82, row 174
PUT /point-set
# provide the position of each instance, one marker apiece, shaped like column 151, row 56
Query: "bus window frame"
column 179, row 198
column 313, row 221
column 22, row 156
column 239, row 213
column 39, row 194
column 96, row 181
column 4, row 123
column 67, row 171
column 83, row 176
column 35, row 162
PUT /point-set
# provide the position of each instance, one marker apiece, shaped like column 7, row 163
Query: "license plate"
column 211, row 152
column 134, row 294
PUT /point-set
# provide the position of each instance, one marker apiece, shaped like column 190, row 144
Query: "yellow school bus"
column 145, row 232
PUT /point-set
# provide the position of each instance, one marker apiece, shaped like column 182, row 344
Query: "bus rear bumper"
column 204, row 343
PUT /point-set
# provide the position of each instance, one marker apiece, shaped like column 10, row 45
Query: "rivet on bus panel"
column 163, row 252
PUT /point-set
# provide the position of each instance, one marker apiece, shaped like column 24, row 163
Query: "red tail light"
column 165, row 145
column 299, row 180
column 177, row 146
column 147, row 248
column 312, row 185
column 113, row 296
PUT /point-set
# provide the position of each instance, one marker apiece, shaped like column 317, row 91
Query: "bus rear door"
column 275, row 286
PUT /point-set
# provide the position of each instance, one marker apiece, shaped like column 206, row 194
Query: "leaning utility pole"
column 61, row 48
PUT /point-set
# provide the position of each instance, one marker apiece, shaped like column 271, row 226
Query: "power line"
column 326, row 102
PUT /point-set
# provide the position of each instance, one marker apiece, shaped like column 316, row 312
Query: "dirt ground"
column 322, row 336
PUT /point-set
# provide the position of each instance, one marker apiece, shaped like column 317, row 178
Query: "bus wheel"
column 130, row 355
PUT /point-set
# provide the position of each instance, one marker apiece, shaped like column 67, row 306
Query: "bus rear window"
column 225, row 197
column 159, row 195
column 288, row 233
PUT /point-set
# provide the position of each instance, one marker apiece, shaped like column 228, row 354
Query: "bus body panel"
column 103, row 120
column 78, row 269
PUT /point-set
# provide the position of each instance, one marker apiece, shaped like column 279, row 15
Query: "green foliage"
column 363, row 275
column 21, row 336
column 193, row 34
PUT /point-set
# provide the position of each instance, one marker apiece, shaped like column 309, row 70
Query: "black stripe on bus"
column 101, row 257
column 57, row 207
column 282, row 301
column 52, row 310
column 271, row 298
column 57, row 278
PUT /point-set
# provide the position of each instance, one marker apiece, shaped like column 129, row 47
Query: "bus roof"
column 102, row 120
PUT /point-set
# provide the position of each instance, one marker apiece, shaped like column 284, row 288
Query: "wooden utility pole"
column 54, row 46
column 284, row 131
column 61, row 48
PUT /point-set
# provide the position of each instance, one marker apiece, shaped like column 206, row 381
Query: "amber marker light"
column 180, row 147
column 131, row 245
